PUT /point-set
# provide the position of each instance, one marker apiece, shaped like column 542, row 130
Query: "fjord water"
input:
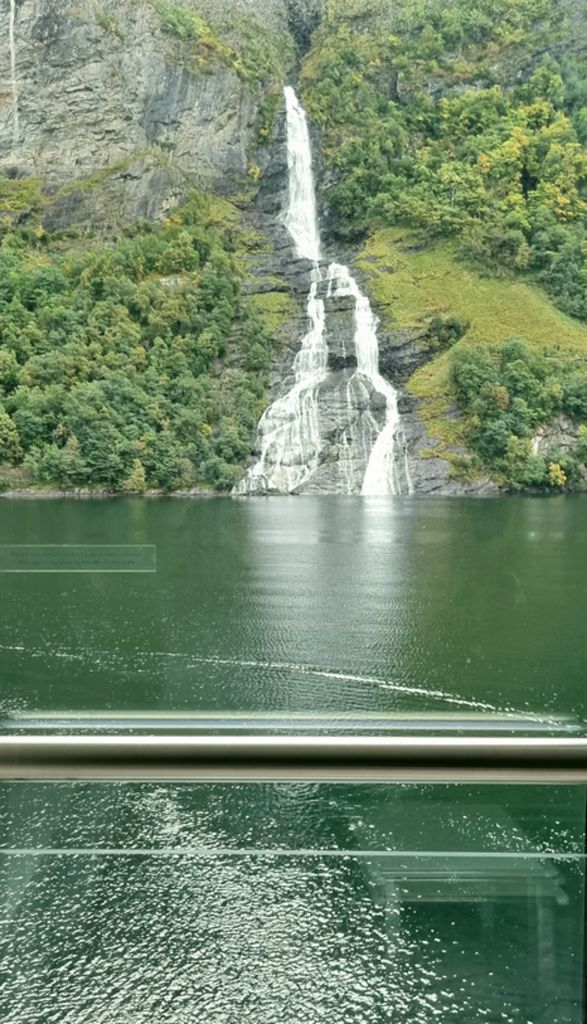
column 291, row 438
column 260, row 904
column 307, row 604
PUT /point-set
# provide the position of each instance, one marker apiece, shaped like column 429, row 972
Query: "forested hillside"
column 129, row 356
column 135, row 353
column 132, row 364
column 455, row 140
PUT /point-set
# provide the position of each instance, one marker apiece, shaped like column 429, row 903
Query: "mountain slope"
column 466, row 123
column 148, row 293
column 131, row 354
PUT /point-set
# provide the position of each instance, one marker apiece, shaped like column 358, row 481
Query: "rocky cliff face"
column 102, row 98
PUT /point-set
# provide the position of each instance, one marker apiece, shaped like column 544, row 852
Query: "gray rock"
column 558, row 436
column 99, row 84
column 402, row 351
column 431, row 473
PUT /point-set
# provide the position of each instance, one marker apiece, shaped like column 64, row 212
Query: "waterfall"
column 387, row 468
column 296, row 446
column 300, row 217
column 13, row 82
column 289, row 430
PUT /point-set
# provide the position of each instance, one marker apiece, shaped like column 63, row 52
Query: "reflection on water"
column 283, row 939
column 307, row 605
column 288, row 903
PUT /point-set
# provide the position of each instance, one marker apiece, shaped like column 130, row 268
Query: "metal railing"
column 293, row 758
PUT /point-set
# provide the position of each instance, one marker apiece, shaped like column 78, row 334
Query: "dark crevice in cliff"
column 303, row 18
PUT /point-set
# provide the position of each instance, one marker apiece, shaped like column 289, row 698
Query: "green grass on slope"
column 414, row 283
column 276, row 310
column 410, row 284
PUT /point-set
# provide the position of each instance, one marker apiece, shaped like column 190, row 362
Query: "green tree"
column 136, row 482
column 10, row 447
column 105, row 363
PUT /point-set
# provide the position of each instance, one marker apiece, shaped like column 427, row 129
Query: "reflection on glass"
column 359, row 904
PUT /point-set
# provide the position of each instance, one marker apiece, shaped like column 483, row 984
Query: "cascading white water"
column 300, row 217
column 387, row 469
column 289, row 432
column 13, row 82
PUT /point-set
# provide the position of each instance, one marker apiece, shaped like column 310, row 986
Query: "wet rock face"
column 303, row 18
column 351, row 413
column 348, row 426
column 272, row 197
column 431, row 474
column 99, row 85
column 560, row 436
column 341, row 362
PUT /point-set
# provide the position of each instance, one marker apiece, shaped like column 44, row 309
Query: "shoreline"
column 83, row 494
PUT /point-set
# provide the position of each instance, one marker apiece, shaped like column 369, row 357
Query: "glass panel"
column 374, row 905
column 362, row 904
